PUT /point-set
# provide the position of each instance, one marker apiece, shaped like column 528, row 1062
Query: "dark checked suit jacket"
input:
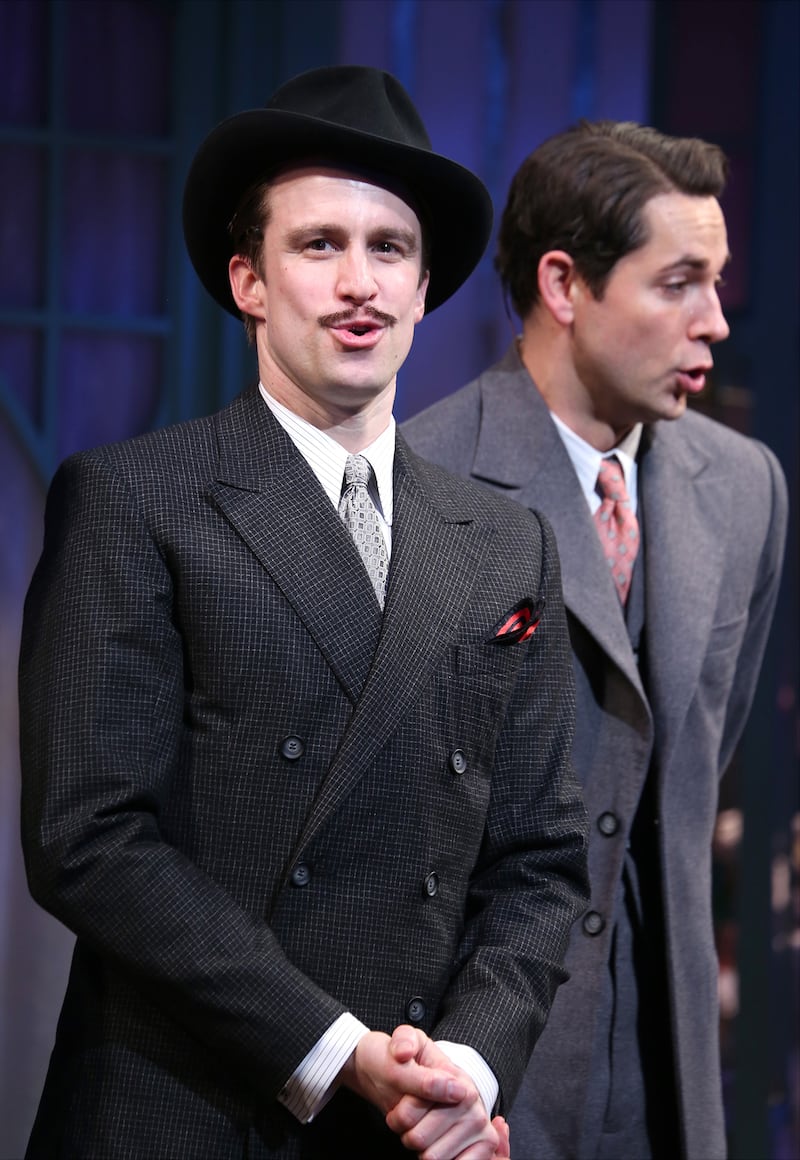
column 713, row 506
column 260, row 803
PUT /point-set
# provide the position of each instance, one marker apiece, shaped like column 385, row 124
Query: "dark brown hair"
column 583, row 191
column 246, row 229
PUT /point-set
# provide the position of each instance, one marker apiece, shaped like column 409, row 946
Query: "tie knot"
column 611, row 481
column 356, row 470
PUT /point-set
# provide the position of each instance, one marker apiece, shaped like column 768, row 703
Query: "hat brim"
column 248, row 147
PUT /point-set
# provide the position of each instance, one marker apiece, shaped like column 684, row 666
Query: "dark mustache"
column 345, row 316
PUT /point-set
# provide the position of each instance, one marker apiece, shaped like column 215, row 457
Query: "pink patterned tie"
column 616, row 524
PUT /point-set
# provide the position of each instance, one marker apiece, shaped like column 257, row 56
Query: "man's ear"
column 422, row 290
column 246, row 287
column 557, row 279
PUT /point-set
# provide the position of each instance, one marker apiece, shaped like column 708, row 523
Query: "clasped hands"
column 429, row 1102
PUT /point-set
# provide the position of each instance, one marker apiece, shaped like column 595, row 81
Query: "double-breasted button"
column 301, row 874
column 608, row 824
column 416, row 1010
column 593, row 923
column 292, row 748
column 458, row 762
column 432, row 884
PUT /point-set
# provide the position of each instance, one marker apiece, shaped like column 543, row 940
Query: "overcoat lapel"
column 686, row 513
column 528, row 461
column 419, row 622
column 270, row 495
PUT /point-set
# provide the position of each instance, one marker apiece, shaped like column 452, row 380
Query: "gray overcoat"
column 714, row 508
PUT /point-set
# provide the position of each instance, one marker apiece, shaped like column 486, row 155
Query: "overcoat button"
column 593, row 923
column 292, row 748
column 416, row 1010
column 432, row 884
column 301, row 874
column 608, row 824
column 458, row 762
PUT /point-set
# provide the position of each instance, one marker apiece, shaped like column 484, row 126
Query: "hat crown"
column 364, row 100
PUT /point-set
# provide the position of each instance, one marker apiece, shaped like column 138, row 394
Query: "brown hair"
column 246, row 229
column 583, row 191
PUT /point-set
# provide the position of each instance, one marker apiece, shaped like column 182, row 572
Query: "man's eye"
column 319, row 244
column 387, row 248
column 675, row 287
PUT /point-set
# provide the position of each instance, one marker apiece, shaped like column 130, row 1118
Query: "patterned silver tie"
column 361, row 520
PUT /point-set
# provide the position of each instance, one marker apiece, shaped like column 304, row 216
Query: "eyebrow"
column 691, row 263
column 301, row 234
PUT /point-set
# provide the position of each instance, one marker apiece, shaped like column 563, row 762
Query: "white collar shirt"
column 587, row 459
column 327, row 458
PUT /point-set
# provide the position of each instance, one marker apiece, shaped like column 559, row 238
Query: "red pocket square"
column 519, row 624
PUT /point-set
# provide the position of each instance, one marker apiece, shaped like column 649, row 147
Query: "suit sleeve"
column 530, row 882
column 103, row 740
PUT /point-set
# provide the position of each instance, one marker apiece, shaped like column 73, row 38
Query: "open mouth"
column 696, row 373
column 693, row 379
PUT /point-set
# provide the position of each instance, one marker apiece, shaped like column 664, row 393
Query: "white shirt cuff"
column 476, row 1067
column 311, row 1084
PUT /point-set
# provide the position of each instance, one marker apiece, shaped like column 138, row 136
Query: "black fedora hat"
column 345, row 115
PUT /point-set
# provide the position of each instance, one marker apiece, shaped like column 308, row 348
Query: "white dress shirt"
column 313, row 1082
column 587, row 459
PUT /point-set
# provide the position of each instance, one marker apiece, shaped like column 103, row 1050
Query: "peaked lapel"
column 520, row 451
column 436, row 554
column 687, row 511
column 269, row 494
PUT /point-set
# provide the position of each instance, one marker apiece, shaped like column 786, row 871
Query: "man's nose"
column 356, row 277
column 710, row 324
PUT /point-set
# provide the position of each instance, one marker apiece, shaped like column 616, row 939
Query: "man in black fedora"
column 297, row 706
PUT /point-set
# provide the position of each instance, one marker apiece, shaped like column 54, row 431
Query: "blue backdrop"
column 105, row 332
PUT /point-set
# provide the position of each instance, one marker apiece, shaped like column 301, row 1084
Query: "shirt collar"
column 587, row 459
column 327, row 458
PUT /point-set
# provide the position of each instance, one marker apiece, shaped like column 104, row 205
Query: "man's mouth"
column 358, row 334
column 693, row 379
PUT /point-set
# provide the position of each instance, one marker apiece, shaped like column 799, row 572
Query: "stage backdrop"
column 105, row 332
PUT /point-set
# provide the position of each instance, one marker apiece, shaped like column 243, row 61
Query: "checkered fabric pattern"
column 260, row 802
column 361, row 520
column 616, row 525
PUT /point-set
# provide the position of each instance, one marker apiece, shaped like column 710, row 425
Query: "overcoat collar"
column 527, row 459
column 684, row 504
column 269, row 494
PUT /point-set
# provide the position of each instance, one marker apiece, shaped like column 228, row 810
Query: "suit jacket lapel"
column 418, row 623
column 527, row 459
column 270, row 495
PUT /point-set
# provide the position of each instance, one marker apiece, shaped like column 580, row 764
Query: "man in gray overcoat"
column 670, row 529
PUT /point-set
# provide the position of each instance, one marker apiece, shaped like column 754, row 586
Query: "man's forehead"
column 685, row 221
column 347, row 171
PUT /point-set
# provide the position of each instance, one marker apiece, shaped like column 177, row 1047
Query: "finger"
column 504, row 1139
column 454, row 1146
column 432, row 1085
column 447, row 1131
column 406, row 1043
column 406, row 1114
